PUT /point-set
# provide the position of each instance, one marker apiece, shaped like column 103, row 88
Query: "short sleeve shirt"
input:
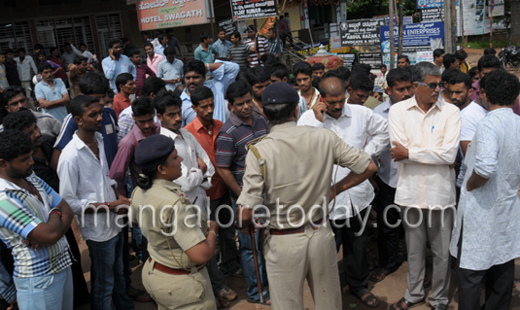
column 44, row 91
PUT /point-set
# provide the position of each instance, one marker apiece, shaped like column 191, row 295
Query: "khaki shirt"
column 156, row 225
column 298, row 164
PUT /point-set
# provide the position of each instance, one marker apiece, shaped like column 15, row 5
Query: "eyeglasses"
column 432, row 86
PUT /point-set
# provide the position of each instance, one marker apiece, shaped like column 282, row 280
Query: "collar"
column 237, row 121
column 10, row 186
column 167, row 132
column 184, row 95
column 169, row 185
column 412, row 102
column 121, row 97
column 45, row 84
column 346, row 112
column 138, row 134
column 386, row 105
column 283, row 126
column 198, row 124
column 80, row 144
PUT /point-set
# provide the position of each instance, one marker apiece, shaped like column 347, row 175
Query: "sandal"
column 222, row 303
column 368, row 297
column 267, row 300
column 380, row 274
column 439, row 307
column 403, row 304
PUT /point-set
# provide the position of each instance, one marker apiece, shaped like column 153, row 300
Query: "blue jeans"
column 107, row 278
column 245, row 251
column 47, row 292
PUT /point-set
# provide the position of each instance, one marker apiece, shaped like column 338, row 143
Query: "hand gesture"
column 111, row 54
column 320, row 108
column 399, row 152
column 202, row 165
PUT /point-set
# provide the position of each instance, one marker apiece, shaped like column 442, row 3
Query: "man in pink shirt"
column 153, row 59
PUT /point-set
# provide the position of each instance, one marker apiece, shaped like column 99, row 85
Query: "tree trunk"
column 515, row 21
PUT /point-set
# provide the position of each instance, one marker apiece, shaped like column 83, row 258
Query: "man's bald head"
column 332, row 86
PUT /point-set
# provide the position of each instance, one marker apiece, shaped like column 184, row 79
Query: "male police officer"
column 293, row 167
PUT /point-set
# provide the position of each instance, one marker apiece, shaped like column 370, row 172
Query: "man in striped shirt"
column 239, row 52
column 275, row 44
column 257, row 44
column 33, row 221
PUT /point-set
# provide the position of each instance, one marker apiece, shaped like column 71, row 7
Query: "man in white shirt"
column 82, row 51
column 399, row 88
column 92, row 195
column 354, row 124
column 25, row 64
column 425, row 133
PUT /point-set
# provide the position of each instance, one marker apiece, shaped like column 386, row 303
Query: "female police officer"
column 178, row 238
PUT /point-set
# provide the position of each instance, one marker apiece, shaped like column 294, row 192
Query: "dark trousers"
column 81, row 295
column 388, row 236
column 226, row 241
column 355, row 263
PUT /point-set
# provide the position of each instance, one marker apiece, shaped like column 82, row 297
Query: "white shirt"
column 469, row 118
column 86, row 53
column 84, row 180
column 432, row 139
column 25, row 67
column 355, row 126
column 193, row 182
column 387, row 166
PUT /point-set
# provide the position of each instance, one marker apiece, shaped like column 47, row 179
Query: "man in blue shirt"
column 163, row 43
column 204, row 52
column 116, row 63
column 52, row 95
column 222, row 45
column 95, row 85
column 224, row 73
column 170, row 69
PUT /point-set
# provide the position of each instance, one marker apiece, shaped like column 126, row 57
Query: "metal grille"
column 15, row 35
column 108, row 27
column 56, row 32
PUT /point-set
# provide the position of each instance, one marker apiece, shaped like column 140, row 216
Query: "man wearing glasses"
column 425, row 134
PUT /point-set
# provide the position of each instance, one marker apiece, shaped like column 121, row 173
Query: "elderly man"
column 425, row 132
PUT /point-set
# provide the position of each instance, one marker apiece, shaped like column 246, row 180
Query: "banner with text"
column 428, row 4
column 250, row 9
column 228, row 25
column 419, row 36
column 156, row 14
column 361, row 32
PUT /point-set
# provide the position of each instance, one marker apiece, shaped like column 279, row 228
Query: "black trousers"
column 354, row 239
column 388, row 236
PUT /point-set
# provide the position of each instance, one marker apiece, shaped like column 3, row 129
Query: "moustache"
column 337, row 110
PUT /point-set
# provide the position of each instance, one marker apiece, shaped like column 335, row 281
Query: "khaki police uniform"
column 169, row 276
column 297, row 164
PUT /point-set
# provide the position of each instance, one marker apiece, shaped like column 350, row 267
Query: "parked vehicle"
column 510, row 56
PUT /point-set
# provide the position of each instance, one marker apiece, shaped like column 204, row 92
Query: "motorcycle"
column 510, row 56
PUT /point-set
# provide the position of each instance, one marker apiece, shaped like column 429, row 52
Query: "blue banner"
column 421, row 35
column 428, row 4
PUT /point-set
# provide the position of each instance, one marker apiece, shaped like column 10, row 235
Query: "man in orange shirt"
column 205, row 130
column 125, row 87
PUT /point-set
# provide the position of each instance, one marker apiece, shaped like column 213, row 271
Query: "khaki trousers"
column 290, row 259
column 189, row 292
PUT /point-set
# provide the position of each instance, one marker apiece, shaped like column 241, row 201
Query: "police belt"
column 292, row 231
column 173, row 271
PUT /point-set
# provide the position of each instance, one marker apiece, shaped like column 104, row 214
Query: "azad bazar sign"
column 249, row 9
column 155, row 14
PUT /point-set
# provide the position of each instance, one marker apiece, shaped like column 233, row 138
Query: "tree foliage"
column 369, row 8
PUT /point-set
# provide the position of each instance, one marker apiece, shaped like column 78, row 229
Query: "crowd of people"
column 277, row 167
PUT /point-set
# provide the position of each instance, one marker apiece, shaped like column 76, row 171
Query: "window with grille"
column 56, row 32
column 15, row 35
column 108, row 27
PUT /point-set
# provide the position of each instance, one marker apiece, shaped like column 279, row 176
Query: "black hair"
column 269, row 59
column 303, row 68
column 82, row 44
column 488, row 61
column 194, row 65
column 38, row 46
column 330, row 73
column 110, row 93
column 21, row 49
column 148, row 44
column 135, row 51
column 220, row 30
column 362, row 82
column 93, row 83
column 448, row 60
column 292, row 81
column 179, row 89
column 8, row 51
column 166, row 98
column 438, row 53
column 404, row 57
column 161, row 37
column 461, row 54
column 472, row 72
column 44, row 66
column 40, row 54
column 67, row 44
column 318, row 66
column 152, row 84
column 380, row 67
column 461, row 78
column 237, row 89
column 482, row 82
column 398, row 75
column 490, row 51
column 279, row 113
column 258, row 75
column 52, row 49
column 79, row 59
column 80, row 103
column 124, row 40
column 280, row 71
column 236, row 34
column 502, row 88
column 251, row 28
column 448, row 74
column 12, row 91
column 143, row 106
column 122, row 79
column 360, row 68
column 170, row 50
column 281, row 16
column 204, row 36
column 316, row 81
column 199, row 94
column 146, row 177
column 19, row 120
column 14, row 143
column 286, row 14
column 112, row 42
column 344, row 73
